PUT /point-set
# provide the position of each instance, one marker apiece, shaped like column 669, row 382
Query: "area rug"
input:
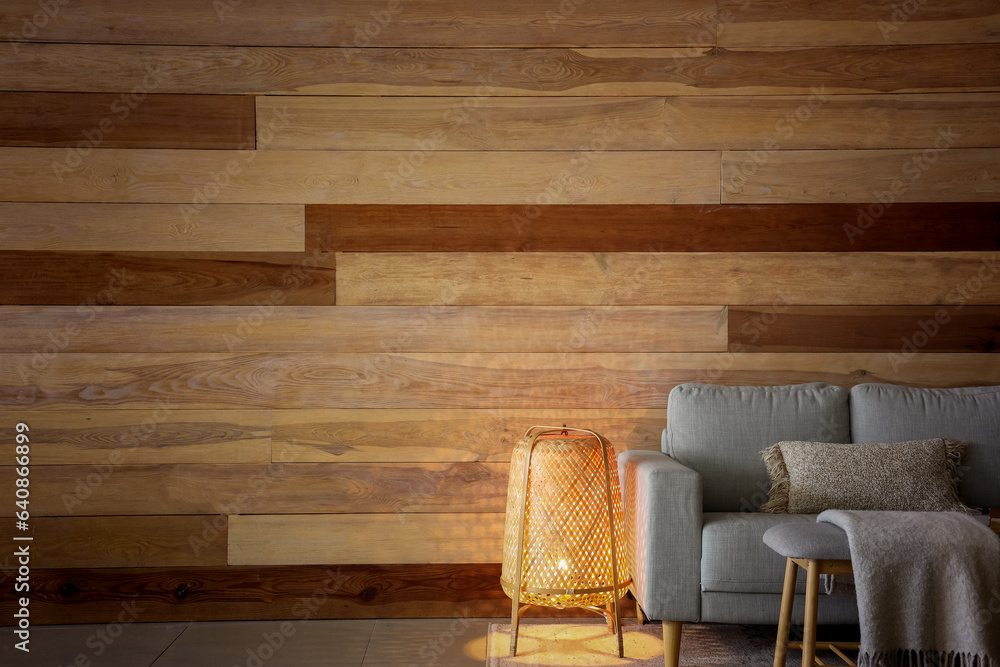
column 592, row 645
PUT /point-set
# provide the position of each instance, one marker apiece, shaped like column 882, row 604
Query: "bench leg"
column 812, row 609
column 671, row 643
column 785, row 620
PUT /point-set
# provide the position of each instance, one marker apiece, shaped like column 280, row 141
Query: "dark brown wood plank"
column 480, row 72
column 260, row 593
column 293, row 488
column 85, row 121
column 124, row 541
column 643, row 228
column 901, row 329
column 95, row 280
column 362, row 23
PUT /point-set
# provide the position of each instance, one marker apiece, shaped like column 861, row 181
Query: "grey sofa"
column 691, row 511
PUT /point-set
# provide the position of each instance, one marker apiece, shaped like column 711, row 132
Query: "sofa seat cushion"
column 720, row 431
column 892, row 413
column 734, row 558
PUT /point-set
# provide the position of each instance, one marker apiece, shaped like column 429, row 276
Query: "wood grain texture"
column 125, row 541
column 702, row 70
column 443, row 435
column 900, row 329
column 743, row 122
column 466, row 590
column 376, row 329
column 645, row 228
column 667, row 278
column 300, row 488
column 83, row 121
column 935, row 174
column 92, row 281
column 366, row 539
column 141, row 437
column 152, row 227
column 841, row 22
column 364, row 23
column 192, row 179
column 442, row 380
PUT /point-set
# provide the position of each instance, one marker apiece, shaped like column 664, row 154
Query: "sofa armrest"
column 663, row 519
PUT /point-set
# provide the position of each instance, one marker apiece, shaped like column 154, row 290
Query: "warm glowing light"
column 564, row 535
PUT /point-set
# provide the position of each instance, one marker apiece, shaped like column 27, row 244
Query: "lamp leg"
column 618, row 631
column 515, row 618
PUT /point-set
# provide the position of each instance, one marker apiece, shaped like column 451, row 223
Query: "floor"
column 435, row 642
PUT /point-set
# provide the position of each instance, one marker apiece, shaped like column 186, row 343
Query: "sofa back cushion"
column 720, row 432
column 891, row 413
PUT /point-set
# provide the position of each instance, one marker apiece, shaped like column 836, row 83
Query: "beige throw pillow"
column 917, row 476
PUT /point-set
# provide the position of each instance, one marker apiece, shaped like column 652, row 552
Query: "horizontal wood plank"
column 466, row 590
column 743, row 122
column 93, row 281
column 443, row 435
column 702, row 70
column 375, row 329
column 152, row 227
column 141, row 437
column 883, row 177
column 298, row 488
column 124, row 541
column 136, row 119
column 370, row 23
column 652, row 227
column 843, row 22
column 901, row 329
column 442, row 380
column 668, row 278
column 365, row 539
column 191, row 178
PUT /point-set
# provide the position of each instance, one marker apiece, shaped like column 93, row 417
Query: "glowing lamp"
column 563, row 533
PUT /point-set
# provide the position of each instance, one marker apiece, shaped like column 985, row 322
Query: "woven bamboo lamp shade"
column 563, row 537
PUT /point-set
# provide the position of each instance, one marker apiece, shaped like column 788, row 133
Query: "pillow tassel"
column 780, row 481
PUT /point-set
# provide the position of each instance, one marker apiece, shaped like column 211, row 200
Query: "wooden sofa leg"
column 671, row 643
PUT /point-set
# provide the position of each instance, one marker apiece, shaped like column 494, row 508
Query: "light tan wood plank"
column 152, row 227
column 190, row 178
column 935, row 174
column 825, row 121
column 819, row 121
column 844, row 22
column 488, row 123
column 364, row 23
column 465, row 381
column 139, row 437
column 366, row 539
column 124, row 541
column 443, row 435
column 279, row 488
column 376, row 329
column 759, row 278
column 475, row 73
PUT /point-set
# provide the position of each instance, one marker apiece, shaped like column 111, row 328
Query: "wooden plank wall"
column 282, row 286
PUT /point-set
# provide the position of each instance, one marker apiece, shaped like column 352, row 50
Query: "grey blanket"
column 928, row 587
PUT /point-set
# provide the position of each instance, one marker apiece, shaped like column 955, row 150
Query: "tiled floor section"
column 432, row 642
